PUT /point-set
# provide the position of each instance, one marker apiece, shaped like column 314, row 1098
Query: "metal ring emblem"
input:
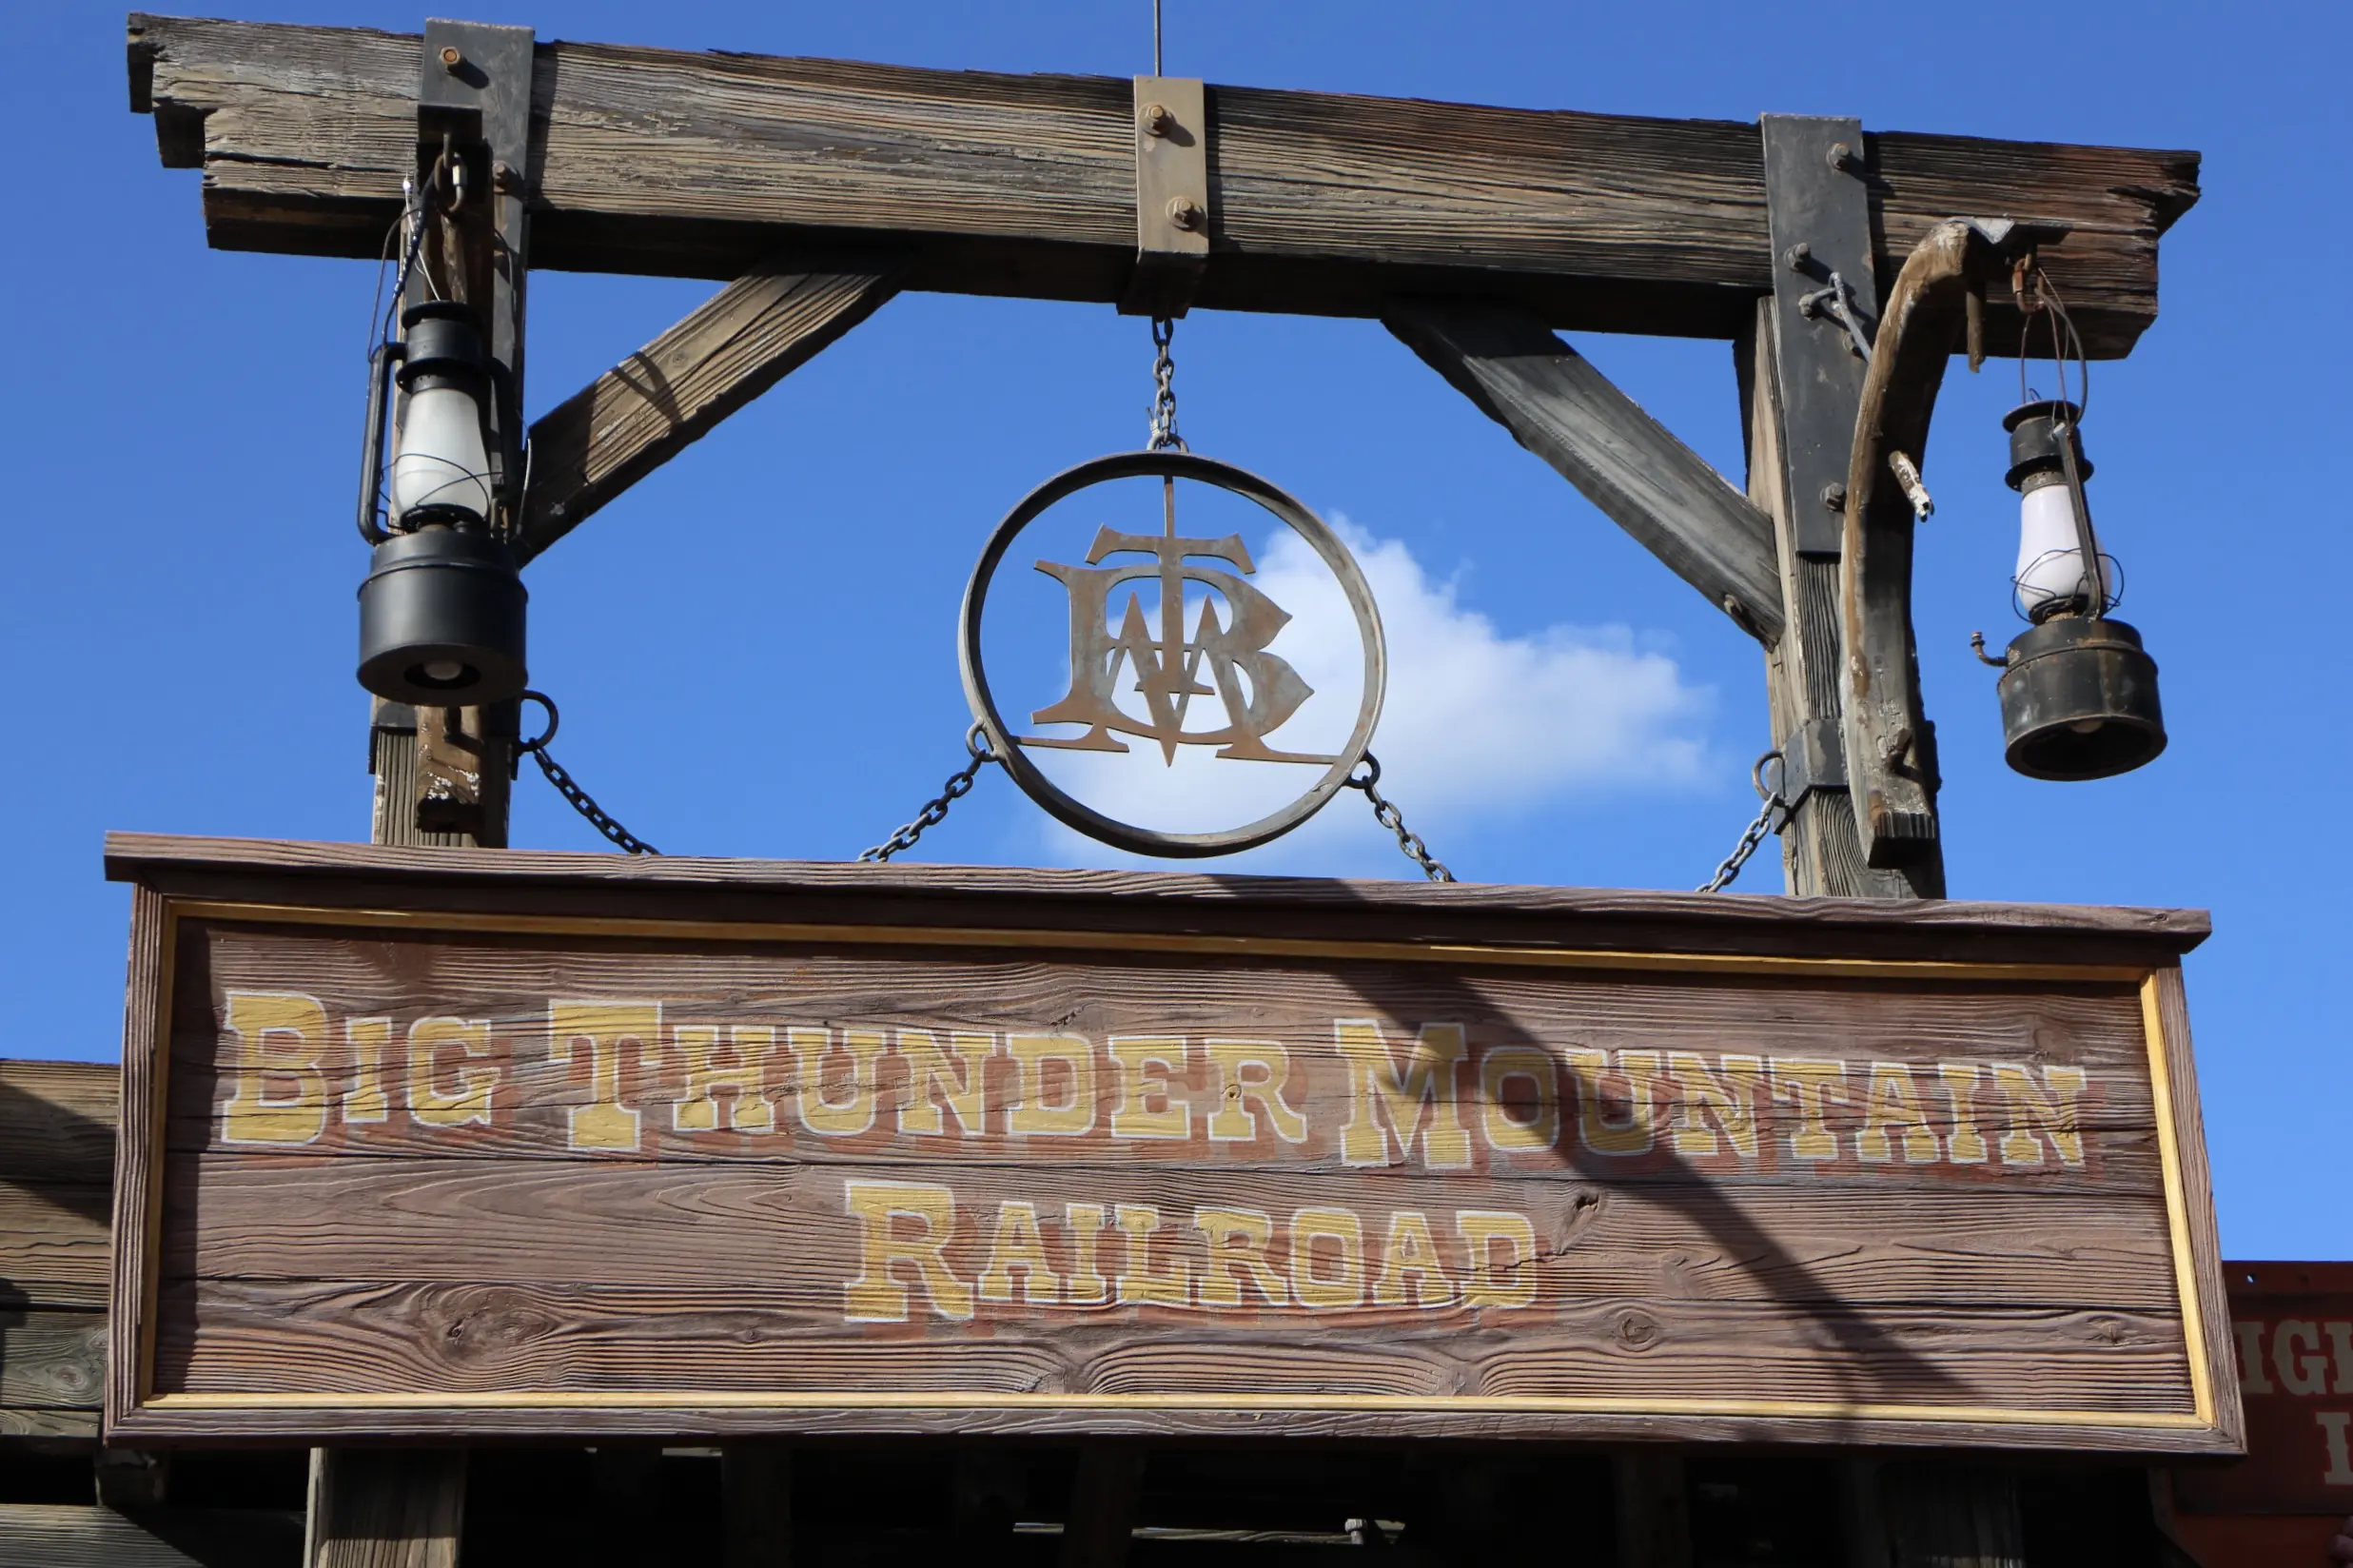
column 1175, row 465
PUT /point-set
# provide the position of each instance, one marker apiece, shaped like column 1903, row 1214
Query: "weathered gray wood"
column 655, row 161
column 671, row 393
column 66, row 1536
column 52, row 1360
column 1557, row 405
column 57, row 1121
column 384, row 1508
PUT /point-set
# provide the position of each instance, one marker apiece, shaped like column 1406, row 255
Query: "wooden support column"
column 1102, row 1517
column 384, row 1508
column 1801, row 384
column 1653, row 1511
column 756, row 1489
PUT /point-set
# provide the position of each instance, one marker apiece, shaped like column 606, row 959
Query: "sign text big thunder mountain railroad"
column 649, row 1080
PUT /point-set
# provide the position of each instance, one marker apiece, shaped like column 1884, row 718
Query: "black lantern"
column 442, row 610
column 2078, row 692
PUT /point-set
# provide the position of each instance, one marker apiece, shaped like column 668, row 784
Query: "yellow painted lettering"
column 1086, row 1286
column 280, row 1094
column 1813, row 1087
column 1018, row 1245
column 879, row 1294
column 1540, row 1128
column 737, row 1062
column 1893, row 1104
column 1726, row 1097
column 1138, row 1285
column 962, row 1080
column 814, row 1052
column 1146, row 1108
column 1513, row 1283
column 1343, row 1283
column 366, row 1040
column 1965, row 1145
column 2333, row 1424
column 2049, row 1107
column 1635, row 1132
column 1237, row 1257
column 458, row 1100
column 1409, row 1254
column 1248, row 1073
column 607, row 1121
column 1417, row 1099
column 1036, row 1113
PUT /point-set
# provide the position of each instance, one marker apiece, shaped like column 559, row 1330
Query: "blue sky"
column 180, row 425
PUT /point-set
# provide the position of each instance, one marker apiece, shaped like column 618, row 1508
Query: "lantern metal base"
column 442, row 621
column 2079, row 700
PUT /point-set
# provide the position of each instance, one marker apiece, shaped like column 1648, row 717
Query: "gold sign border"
column 2144, row 979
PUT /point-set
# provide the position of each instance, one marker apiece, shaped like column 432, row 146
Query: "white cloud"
column 1477, row 726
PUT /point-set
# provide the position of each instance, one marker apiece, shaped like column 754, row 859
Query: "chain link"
column 580, row 800
column 935, row 810
column 1163, row 435
column 1408, row 841
column 1763, row 826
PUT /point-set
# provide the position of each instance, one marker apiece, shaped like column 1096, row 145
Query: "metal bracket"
column 1172, row 195
column 1812, row 758
column 1817, row 213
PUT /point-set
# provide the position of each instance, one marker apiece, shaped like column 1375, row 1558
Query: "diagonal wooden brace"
column 674, row 391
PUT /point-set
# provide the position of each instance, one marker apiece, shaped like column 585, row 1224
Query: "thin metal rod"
column 1156, row 37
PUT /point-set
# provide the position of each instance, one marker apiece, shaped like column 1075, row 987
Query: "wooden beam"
column 1560, row 407
column 1104, row 1495
column 655, row 161
column 70, row 1536
column 671, row 393
column 384, row 1508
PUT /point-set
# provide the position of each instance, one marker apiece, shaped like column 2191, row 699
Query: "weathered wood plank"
column 689, row 164
column 52, row 1360
column 64, row 1535
column 1557, row 405
column 435, row 1220
column 1602, row 918
column 53, row 1245
column 385, row 1508
column 57, row 1121
column 671, row 393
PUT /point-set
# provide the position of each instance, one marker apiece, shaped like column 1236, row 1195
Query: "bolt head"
column 1185, row 212
column 1797, row 256
column 1835, row 496
column 1157, row 120
column 451, row 59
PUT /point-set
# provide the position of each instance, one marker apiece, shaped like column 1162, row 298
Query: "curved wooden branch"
column 1891, row 753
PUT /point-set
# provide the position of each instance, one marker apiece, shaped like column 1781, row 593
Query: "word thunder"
column 628, row 1078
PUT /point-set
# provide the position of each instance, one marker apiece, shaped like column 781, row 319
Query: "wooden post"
column 756, row 1492
column 384, row 1508
column 1102, row 1517
column 1653, row 1511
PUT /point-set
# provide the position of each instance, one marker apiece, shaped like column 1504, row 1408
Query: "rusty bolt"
column 1835, row 496
column 1185, row 212
column 1158, row 120
column 503, row 175
column 451, row 59
column 1797, row 256
column 1842, row 158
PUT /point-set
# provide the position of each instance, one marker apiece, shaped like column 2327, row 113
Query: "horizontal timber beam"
column 1560, row 407
column 654, row 160
column 668, row 395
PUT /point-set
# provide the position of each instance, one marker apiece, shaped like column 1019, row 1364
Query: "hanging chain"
column 935, row 810
column 1776, row 806
column 1387, row 814
column 580, row 800
column 1165, row 437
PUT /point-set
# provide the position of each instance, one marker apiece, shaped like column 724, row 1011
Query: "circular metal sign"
column 1160, row 663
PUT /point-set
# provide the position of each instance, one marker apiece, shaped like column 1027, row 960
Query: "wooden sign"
column 2292, row 1328
column 459, row 1144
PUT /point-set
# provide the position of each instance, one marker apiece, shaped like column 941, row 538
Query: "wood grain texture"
column 1557, row 405
column 52, row 1360
column 66, row 1536
column 385, row 1508
column 57, row 1121
column 52, row 1245
column 671, row 393
column 593, row 1240
column 689, row 164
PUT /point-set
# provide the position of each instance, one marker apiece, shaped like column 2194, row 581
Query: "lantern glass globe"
column 441, row 469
